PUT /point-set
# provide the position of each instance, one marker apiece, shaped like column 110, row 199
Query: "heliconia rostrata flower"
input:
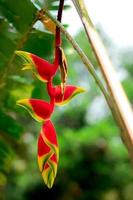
column 40, row 110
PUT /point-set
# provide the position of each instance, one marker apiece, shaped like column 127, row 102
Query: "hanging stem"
column 120, row 102
column 59, row 16
column 58, row 34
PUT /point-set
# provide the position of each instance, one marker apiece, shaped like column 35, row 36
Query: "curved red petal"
column 40, row 67
column 69, row 92
column 54, row 158
column 41, row 108
column 47, row 128
column 43, row 148
column 45, row 69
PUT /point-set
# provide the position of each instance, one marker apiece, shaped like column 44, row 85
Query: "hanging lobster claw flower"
column 39, row 109
column 43, row 70
column 70, row 91
column 48, row 153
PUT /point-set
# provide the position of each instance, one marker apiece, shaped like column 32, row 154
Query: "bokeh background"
column 94, row 163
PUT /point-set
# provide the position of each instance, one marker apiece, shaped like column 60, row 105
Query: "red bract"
column 48, row 153
column 39, row 109
column 43, row 70
column 70, row 91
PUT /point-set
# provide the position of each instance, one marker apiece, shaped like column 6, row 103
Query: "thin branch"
column 120, row 102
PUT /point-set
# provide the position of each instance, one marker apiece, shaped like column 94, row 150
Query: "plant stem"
column 59, row 16
column 120, row 102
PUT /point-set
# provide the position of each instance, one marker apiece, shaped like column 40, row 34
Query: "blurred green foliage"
column 94, row 163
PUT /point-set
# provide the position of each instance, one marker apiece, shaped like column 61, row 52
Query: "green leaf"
column 9, row 126
column 55, row 7
column 7, row 46
column 40, row 91
column 6, row 155
column 3, row 179
column 19, row 13
column 40, row 43
column 128, row 86
column 8, row 42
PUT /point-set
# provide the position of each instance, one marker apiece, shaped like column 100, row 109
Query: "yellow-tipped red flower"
column 39, row 109
column 43, row 70
column 70, row 91
column 48, row 153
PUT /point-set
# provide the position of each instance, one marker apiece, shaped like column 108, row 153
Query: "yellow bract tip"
column 80, row 89
column 25, row 55
column 23, row 102
column 27, row 66
column 21, row 53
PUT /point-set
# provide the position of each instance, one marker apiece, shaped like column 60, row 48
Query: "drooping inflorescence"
column 40, row 110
